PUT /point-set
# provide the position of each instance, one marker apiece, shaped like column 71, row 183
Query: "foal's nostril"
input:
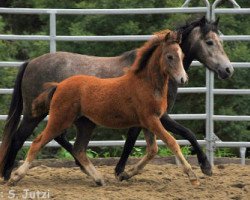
column 228, row 70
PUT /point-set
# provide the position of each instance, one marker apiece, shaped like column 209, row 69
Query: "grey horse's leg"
column 133, row 134
column 152, row 149
column 25, row 129
column 84, row 130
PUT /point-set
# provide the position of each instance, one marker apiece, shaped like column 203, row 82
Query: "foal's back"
column 108, row 102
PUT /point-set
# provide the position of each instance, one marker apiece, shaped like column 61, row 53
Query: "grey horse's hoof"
column 206, row 168
column 100, row 182
column 2, row 181
column 123, row 176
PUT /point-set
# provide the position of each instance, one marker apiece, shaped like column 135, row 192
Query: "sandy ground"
column 229, row 181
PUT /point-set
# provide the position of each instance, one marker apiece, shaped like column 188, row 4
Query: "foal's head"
column 162, row 55
column 172, row 57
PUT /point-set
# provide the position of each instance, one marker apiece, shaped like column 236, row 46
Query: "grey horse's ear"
column 217, row 21
column 179, row 37
column 203, row 20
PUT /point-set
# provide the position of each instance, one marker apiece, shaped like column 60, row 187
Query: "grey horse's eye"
column 209, row 42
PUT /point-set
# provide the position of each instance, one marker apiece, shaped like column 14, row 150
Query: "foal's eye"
column 209, row 42
column 170, row 57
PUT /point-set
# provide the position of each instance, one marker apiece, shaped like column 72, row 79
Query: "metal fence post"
column 209, row 99
column 243, row 155
column 52, row 18
column 210, row 136
column 217, row 2
column 210, row 142
column 185, row 4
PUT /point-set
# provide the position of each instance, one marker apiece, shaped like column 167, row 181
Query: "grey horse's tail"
column 14, row 116
column 41, row 104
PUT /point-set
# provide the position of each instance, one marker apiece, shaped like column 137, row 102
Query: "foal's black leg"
column 187, row 134
column 133, row 134
column 25, row 129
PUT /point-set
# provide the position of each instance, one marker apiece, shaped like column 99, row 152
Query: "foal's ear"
column 167, row 37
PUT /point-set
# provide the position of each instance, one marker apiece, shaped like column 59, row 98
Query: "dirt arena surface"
column 230, row 181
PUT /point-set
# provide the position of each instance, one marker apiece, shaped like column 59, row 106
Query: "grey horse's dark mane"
column 142, row 62
column 144, row 56
column 129, row 56
column 205, row 26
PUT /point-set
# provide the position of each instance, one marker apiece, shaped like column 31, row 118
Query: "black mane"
column 205, row 26
column 129, row 56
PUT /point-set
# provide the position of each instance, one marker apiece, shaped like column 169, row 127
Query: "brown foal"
column 136, row 99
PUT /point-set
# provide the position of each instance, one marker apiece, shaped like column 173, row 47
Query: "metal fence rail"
column 104, row 38
column 209, row 90
column 129, row 11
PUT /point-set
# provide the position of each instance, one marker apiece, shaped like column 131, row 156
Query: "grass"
column 141, row 151
column 116, row 152
column 107, row 152
column 224, row 152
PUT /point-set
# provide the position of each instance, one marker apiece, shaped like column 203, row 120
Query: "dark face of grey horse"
column 207, row 48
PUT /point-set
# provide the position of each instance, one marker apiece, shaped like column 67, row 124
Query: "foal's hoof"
column 206, row 168
column 193, row 178
column 12, row 182
column 100, row 182
column 123, row 176
column 195, row 182
column 15, row 177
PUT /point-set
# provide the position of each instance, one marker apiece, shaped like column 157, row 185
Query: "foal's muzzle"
column 182, row 79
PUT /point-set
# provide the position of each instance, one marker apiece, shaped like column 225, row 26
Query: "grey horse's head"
column 204, row 44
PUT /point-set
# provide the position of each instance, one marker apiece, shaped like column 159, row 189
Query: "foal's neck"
column 154, row 75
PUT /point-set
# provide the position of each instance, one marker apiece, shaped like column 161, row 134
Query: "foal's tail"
column 14, row 116
column 41, row 104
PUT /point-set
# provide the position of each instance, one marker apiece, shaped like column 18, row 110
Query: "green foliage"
column 22, row 153
column 163, row 151
column 116, row 152
column 224, row 152
column 186, row 150
column 63, row 154
column 92, row 154
column 138, row 151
